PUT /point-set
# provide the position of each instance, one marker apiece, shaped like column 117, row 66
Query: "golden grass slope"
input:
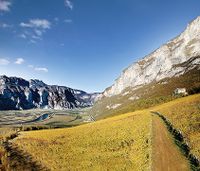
column 5, row 133
column 184, row 114
column 118, row 143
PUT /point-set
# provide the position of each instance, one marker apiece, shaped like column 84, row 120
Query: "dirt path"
column 166, row 155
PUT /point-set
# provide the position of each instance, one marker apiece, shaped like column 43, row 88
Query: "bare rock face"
column 166, row 61
column 17, row 93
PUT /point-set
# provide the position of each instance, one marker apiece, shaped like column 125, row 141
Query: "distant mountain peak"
column 194, row 23
column 36, row 83
column 18, row 93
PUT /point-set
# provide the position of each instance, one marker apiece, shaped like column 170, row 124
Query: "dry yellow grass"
column 184, row 114
column 118, row 143
column 5, row 133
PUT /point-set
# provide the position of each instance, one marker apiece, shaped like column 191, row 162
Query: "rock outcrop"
column 167, row 61
column 17, row 93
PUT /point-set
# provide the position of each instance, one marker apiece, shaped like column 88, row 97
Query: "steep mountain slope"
column 17, row 93
column 163, row 62
column 175, row 64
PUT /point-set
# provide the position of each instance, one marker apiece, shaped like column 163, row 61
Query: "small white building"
column 180, row 91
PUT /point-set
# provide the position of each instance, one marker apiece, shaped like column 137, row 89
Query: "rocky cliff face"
column 17, row 93
column 166, row 62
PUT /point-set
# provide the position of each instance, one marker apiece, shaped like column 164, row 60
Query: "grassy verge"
column 181, row 142
column 5, row 135
column 184, row 114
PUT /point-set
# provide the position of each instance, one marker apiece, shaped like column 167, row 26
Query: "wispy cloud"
column 38, row 69
column 69, row 4
column 32, row 41
column 36, row 37
column 38, row 32
column 56, row 19
column 67, row 21
column 30, row 66
column 4, row 61
column 5, row 25
column 37, row 23
column 34, row 29
column 41, row 69
column 19, row 61
column 5, row 5
column 23, row 36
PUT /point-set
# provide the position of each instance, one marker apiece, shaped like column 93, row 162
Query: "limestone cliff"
column 165, row 62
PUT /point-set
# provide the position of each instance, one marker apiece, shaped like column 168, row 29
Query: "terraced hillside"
column 125, row 142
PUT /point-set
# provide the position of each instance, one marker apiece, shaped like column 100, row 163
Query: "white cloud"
column 4, row 61
column 30, row 66
column 41, row 69
column 36, row 37
column 4, row 25
column 37, row 23
column 56, row 19
column 22, row 24
column 5, row 5
column 41, row 23
column 68, row 21
column 34, row 29
column 23, row 36
column 32, row 41
column 69, row 4
column 19, row 61
column 38, row 32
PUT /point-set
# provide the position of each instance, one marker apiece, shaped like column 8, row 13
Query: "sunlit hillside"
column 4, row 134
column 119, row 143
column 184, row 114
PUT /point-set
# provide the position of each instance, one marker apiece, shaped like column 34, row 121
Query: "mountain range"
column 151, row 80
column 18, row 93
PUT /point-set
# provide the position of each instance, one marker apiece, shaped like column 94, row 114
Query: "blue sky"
column 85, row 44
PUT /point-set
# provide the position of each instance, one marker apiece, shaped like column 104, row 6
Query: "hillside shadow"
column 19, row 160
